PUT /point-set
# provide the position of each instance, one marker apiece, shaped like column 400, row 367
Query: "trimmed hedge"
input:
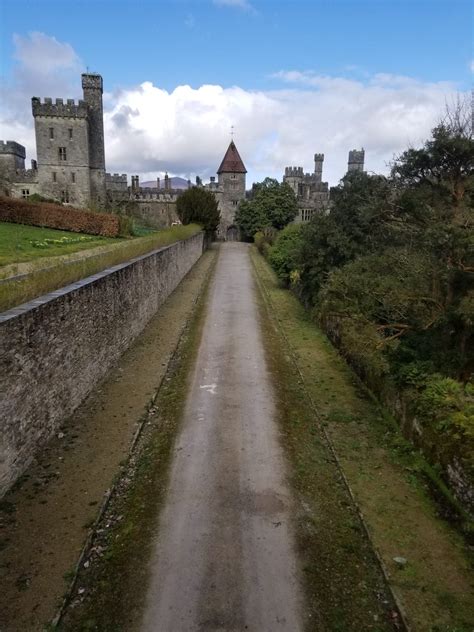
column 61, row 217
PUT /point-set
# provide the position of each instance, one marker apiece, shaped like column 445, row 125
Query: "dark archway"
column 232, row 233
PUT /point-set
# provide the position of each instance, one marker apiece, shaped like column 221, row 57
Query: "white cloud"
column 44, row 67
column 149, row 130
column 236, row 4
column 274, row 128
column 471, row 65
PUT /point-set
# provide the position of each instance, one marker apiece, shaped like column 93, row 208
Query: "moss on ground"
column 435, row 587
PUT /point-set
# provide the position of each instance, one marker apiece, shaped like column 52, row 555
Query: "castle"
column 70, row 168
column 311, row 193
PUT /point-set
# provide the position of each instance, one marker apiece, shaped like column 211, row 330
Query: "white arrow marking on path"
column 210, row 388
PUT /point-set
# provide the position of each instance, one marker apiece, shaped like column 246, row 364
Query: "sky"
column 293, row 77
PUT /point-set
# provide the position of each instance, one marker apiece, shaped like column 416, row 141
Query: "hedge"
column 49, row 215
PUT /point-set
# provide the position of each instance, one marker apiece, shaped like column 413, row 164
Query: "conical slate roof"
column 232, row 162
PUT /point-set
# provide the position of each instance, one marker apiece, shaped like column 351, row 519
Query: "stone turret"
column 356, row 160
column 230, row 190
column 294, row 177
column 318, row 167
column 12, row 158
column 92, row 88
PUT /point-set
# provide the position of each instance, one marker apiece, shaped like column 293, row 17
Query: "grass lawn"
column 19, row 243
column 54, row 271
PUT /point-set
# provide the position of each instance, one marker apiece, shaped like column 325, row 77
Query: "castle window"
column 235, row 202
column 25, row 193
column 70, row 133
column 54, row 176
column 51, row 132
column 62, row 153
column 64, row 196
column 73, row 177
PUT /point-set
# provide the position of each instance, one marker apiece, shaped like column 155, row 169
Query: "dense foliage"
column 198, row 206
column 389, row 272
column 272, row 205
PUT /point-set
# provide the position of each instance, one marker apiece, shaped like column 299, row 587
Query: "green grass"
column 19, row 243
column 58, row 274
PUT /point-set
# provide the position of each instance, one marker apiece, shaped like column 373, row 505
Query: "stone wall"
column 153, row 213
column 55, row 349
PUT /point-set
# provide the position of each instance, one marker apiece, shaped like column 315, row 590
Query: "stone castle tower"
column 312, row 194
column 355, row 161
column 70, row 146
column 230, row 190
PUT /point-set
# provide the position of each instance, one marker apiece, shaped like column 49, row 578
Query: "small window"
column 25, row 193
column 54, row 176
column 70, row 133
column 73, row 177
column 51, row 132
column 62, row 153
column 235, row 202
column 64, row 196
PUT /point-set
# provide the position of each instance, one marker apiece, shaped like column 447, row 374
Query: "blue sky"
column 261, row 55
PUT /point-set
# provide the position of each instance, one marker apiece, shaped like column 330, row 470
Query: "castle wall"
column 55, row 349
column 154, row 213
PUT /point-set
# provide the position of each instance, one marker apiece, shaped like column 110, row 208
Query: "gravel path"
column 224, row 556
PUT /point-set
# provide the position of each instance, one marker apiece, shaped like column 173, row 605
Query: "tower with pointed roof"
column 230, row 191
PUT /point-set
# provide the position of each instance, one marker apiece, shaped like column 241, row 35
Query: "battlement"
column 12, row 147
column 92, row 81
column 26, row 176
column 116, row 178
column 356, row 156
column 294, row 172
column 70, row 109
column 318, row 157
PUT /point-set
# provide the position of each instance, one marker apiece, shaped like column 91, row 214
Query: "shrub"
column 60, row 217
column 284, row 254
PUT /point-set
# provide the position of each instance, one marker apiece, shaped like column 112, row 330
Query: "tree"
column 284, row 254
column 358, row 223
column 198, row 206
column 272, row 204
column 249, row 219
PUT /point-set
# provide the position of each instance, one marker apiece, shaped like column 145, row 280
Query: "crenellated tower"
column 70, row 146
column 318, row 167
column 312, row 194
column 356, row 160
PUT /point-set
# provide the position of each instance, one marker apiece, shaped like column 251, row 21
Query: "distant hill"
column 175, row 182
